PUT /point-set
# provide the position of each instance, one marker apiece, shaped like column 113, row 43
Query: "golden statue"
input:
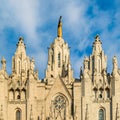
column 60, row 27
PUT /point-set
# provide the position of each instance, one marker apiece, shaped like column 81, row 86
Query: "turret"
column 3, row 62
column 98, row 59
column 59, row 58
column 20, row 62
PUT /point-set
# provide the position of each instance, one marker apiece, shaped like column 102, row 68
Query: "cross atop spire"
column 21, row 38
column 97, row 38
column 60, row 27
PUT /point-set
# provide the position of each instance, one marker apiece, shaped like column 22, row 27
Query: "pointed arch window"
column 18, row 115
column 101, row 114
column 59, row 59
column 108, row 92
column 38, row 118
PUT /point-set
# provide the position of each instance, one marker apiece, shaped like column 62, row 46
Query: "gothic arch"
column 95, row 90
column 61, row 94
column 107, row 92
column 18, row 114
column 11, row 94
column 59, row 104
column 17, row 94
column 101, row 114
column 23, row 94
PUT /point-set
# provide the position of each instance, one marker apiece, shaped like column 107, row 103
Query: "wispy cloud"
column 36, row 21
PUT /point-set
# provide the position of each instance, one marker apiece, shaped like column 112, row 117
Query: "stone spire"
column 98, row 60
column 97, row 48
column 3, row 62
column 20, row 61
column 115, row 64
column 59, row 59
column 32, row 64
column 21, row 48
column 60, row 27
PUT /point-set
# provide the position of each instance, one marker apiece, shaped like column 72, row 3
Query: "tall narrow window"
column 38, row 118
column 52, row 59
column 99, row 66
column 101, row 114
column 19, row 67
column 52, row 56
column 18, row 115
column 108, row 93
column 100, row 93
column 59, row 57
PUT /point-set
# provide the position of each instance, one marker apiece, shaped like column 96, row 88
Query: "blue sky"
column 36, row 21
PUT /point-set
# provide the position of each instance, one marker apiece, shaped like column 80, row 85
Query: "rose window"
column 59, row 103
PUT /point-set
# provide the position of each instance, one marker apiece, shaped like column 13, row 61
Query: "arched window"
column 18, row 115
column 23, row 94
column 11, row 94
column 17, row 94
column 100, row 92
column 95, row 92
column 59, row 57
column 101, row 114
column 108, row 93
column 38, row 118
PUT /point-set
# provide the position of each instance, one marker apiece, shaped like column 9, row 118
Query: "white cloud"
column 37, row 21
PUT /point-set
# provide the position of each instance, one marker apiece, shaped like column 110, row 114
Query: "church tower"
column 20, row 62
column 96, row 82
column 59, row 59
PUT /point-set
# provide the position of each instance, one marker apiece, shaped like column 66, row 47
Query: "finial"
column 21, row 38
column 60, row 27
column 3, row 60
column 97, row 38
column 81, row 71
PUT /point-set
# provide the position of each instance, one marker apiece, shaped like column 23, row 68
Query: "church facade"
column 59, row 96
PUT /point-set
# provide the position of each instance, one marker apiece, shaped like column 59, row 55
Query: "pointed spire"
column 21, row 38
column 60, row 27
column 97, row 48
column 21, row 41
column 97, row 38
column 115, row 64
column 3, row 61
column 32, row 64
column 21, row 46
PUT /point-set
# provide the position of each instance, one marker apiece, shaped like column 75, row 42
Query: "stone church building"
column 59, row 96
